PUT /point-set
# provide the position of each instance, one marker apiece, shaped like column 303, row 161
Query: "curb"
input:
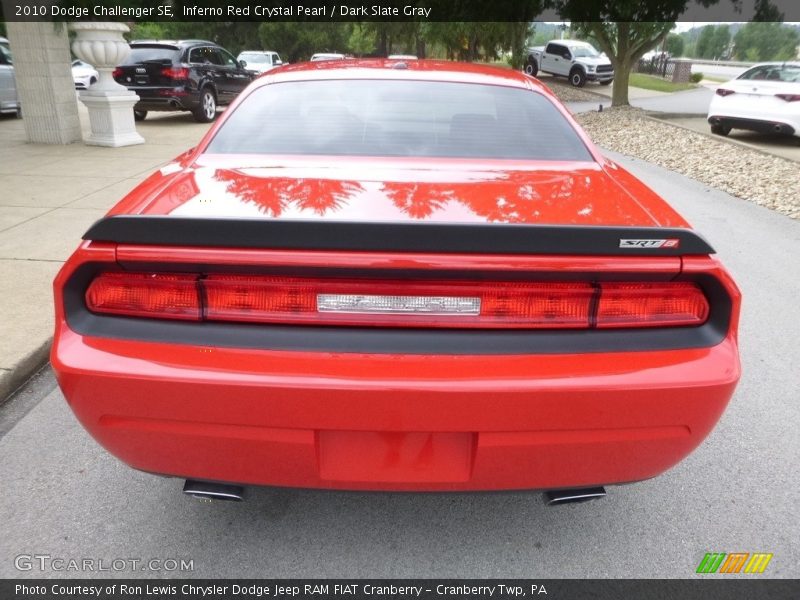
column 25, row 368
column 661, row 118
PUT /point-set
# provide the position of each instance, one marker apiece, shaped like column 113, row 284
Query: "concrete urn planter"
column 110, row 104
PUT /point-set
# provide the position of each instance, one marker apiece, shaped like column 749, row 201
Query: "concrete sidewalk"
column 49, row 195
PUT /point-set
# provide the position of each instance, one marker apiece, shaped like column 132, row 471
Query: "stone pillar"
column 683, row 71
column 44, row 81
column 110, row 104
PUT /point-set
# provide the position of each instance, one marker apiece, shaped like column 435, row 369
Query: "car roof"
column 573, row 42
column 173, row 43
column 381, row 68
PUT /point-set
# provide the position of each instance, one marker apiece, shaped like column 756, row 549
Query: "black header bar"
column 398, row 10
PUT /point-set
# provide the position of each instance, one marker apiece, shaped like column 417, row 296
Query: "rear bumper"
column 166, row 98
column 759, row 125
column 394, row 422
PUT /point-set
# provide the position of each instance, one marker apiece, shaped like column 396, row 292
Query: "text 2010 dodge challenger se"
column 385, row 275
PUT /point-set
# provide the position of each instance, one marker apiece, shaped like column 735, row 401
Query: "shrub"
column 697, row 77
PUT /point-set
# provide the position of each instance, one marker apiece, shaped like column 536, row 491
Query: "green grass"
column 716, row 79
column 649, row 82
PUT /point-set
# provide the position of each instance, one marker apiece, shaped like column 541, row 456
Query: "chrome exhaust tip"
column 556, row 497
column 208, row 491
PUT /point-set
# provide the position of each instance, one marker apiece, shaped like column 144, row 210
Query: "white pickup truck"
column 579, row 61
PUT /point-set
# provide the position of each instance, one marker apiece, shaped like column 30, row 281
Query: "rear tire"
column 531, row 68
column 207, row 111
column 722, row 130
column 139, row 115
column 577, row 78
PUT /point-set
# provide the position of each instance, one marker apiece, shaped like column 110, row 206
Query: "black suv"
column 190, row 75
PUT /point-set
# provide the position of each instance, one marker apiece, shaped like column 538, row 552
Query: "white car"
column 765, row 98
column 259, row 61
column 83, row 74
column 326, row 56
column 9, row 102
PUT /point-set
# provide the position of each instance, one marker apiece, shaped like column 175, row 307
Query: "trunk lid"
column 383, row 191
column 145, row 66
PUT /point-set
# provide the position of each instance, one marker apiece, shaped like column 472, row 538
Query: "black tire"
column 531, row 68
column 207, row 109
column 609, row 82
column 577, row 77
column 722, row 130
column 139, row 115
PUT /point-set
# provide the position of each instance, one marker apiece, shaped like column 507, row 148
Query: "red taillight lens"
column 724, row 92
column 175, row 72
column 116, row 73
column 383, row 303
column 145, row 295
column 789, row 97
column 651, row 305
column 397, row 303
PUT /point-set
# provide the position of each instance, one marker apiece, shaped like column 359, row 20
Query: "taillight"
column 396, row 303
column 116, row 73
column 651, row 305
column 175, row 72
column 789, row 97
column 145, row 295
column 724, row 92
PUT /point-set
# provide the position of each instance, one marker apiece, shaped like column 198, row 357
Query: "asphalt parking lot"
column 63, row 496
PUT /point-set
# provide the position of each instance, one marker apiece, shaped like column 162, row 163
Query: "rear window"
column 399, row 118
column 789, row 73
column 141, row 54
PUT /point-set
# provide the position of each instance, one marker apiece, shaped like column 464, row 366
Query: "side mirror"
column 242, row 63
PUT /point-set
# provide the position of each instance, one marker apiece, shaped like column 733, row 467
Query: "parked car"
column 83, row 74
column 188, row 75
column 258, row 61
column 9, row 101
column 402, row 57
column 765, row 98
column 578, row 61
column 4, row 42
column 412, row 279
column 326, row 56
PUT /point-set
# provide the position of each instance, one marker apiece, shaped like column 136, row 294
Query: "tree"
column 713, row 41
column 674, row 44
column 766, row 41
column 624, row 30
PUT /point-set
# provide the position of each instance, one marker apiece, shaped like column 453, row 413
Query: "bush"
column 697, row 77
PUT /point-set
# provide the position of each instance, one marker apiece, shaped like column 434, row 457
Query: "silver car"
column 9, row 102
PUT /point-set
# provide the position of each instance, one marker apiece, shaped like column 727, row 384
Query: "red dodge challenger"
column 396, row 275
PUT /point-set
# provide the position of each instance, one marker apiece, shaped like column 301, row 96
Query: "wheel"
column 140, row 115
column 720, row 130
column 531, row 68
column 207, row 111
column 609, row 82
column 577, row 78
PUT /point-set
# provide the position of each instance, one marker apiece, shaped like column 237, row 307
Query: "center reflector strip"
column 430, row 305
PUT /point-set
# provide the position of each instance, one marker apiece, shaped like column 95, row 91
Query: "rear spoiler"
column 398, row 237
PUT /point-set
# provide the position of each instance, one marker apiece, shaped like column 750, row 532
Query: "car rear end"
column 768, row 102
column 160, row 75
column 266, row 335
